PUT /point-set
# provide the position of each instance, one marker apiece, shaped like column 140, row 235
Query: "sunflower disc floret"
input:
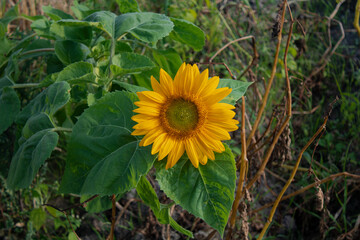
column 184, row 115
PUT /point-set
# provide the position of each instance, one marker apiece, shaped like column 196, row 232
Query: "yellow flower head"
column 184, row 114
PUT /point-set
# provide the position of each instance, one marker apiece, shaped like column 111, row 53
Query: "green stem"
column 38, row 50
column 62, row 129
column 25, row 85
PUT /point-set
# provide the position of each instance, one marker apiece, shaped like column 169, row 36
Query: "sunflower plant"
column 110, row 95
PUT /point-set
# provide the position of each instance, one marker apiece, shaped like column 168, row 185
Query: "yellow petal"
column 192, row 152
column 141, row 118
column 158, row 143
column 156, row 86
column 175, row 154
column 201, row 81
column 151, row 96
column 151, row 111
column 148, row 125
column 203, row 160
column 139, row 132
column 220, row 114
column 150, row 137
column 222, row 106
column 215, row 145
column 208, row 88
column 167, row 146
column 217, row 132
column 217, row 95
column 147, row 104
column 229, row 125
column 178, row 80
column 205, row 149
column 166, row 83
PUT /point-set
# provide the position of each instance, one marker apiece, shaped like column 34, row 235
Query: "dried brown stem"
column 67, row 217
column 113, row 215
column 357, row 16
column 272, row 76
column 124, row 209
column 331, row 177
column 278, row 199
column 242, row 172
column 288, row 116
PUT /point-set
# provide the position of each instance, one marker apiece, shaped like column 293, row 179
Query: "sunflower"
column 184, row 115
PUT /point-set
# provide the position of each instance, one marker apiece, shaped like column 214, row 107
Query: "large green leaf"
column 48, row 101
column 126, row 62
column 69, row 51
column 9, row 107
column 161, row 211
column 103, row 157
column 238, row 89
column 29, row 157
column 169, row 60
column 188, row 33
column 206, row 192
column 146, row 26
column 76, row 73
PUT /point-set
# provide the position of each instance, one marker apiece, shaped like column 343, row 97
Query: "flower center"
column 182, row 115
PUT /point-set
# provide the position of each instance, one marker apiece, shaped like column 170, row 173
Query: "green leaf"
column 81, row 11
column 148, row 27
column 188, row 33
column 55, row 14
column 206, row 192
column 103, row 20
column 82, row 34
column 5, row 81
column 143, row 79
column 76, row 73
column 29, row 157
column 126, row 6
column 130, row 87
column 48, row 101
column 38, row 218
column 179, row 228
column 102, row 135
column 69, row 51
column 36, row 123
column 10, row 15
column 125, row 63
column 42, row 28
column 102, row 49
column 9, row 107
column 148, row 195
column 106, row 20
column 238, row 89
column 169, row 60
column 162, row 212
